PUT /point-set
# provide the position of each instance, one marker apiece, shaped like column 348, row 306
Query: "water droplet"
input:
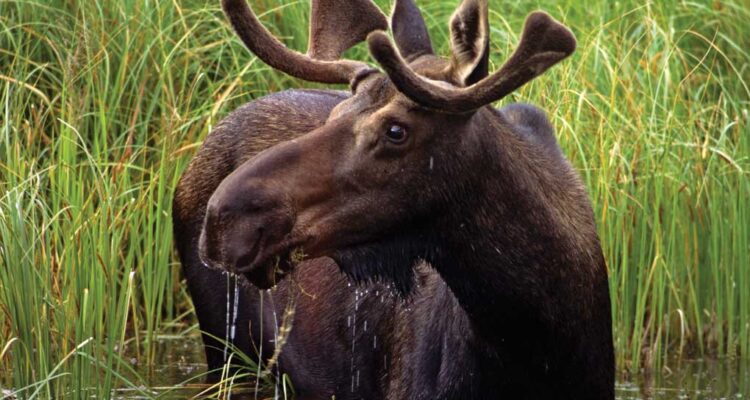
column 235, row 310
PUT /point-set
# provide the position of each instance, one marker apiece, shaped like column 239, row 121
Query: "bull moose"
column 450, row 248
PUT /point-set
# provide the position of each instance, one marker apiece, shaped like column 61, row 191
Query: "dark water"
column 692, row 380
column 180, row 362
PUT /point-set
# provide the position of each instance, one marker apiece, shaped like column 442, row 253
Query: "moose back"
column 450, row 248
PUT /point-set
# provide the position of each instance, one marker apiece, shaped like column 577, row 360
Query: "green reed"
column 104, row 102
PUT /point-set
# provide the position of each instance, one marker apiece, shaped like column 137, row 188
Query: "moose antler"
column 336, row 25
column 544, row 43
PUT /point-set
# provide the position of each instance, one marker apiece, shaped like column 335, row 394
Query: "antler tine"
column 544, row 43
column 262, row 43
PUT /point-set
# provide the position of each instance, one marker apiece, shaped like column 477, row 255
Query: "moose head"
column 385, row 182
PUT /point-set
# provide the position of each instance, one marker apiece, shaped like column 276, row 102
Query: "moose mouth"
column 388, row 259
column 270, row 272
column 361, row 262
column 266, row 267
column 260, row 260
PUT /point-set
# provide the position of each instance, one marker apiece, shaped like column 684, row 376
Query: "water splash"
column 352, row 367
column 230, row 329
column 233, row 331
column 227, row 318
column 276, row 343
column 260, row 349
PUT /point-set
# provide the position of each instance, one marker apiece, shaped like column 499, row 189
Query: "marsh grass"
column 104, row 102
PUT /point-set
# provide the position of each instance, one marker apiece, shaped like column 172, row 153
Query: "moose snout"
column 245, row 226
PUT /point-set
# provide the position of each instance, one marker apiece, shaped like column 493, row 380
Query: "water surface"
column 180, row 362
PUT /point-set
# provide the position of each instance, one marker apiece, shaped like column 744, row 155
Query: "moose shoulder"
column 451, row 248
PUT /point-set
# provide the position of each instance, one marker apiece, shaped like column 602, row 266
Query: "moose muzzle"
column 245, row 231
column 250, row 222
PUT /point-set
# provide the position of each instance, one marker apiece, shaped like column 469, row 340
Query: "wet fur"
column 535, row 330
column 483, row 278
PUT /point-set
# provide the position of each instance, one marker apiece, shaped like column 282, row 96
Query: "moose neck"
column 524, row 239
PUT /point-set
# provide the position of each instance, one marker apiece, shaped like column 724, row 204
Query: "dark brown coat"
column 452, row 251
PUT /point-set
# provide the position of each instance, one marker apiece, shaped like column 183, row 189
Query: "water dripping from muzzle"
column 233, row 296
column 276, row 367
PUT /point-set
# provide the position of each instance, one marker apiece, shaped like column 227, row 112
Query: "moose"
column 450, row 249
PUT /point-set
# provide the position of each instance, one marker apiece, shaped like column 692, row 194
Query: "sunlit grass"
column 103, row 103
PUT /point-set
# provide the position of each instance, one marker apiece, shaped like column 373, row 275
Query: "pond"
column 179, row 362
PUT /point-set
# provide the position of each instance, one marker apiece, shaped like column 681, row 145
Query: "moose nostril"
column 258, row 199
column 240, row 199
column 253, row 207
column 249, row 251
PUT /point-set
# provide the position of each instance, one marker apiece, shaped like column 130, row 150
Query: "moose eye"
column 396, row 134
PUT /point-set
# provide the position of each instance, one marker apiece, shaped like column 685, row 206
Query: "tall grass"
column 103, row 103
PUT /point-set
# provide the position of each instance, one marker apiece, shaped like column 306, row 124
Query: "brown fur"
column 471, row 264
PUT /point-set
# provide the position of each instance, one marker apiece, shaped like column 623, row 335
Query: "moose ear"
column 409, row 30
column 470, row 42
column 337, row 25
